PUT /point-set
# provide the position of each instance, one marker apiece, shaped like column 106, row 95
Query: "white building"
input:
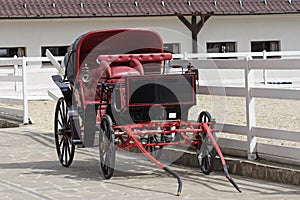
column 231, row 25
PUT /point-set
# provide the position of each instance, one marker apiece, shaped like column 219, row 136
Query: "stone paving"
column 30, row 170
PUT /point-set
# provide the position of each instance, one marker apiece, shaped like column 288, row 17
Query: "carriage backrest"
column 120, row 69
column 129, row 64
column 143, row 57
column 85, row 50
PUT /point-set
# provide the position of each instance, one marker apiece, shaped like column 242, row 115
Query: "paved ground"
column 30, row 170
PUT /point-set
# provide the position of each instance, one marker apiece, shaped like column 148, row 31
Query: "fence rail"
column 14, row 64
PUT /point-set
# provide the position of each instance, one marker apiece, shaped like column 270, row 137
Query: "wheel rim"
column 107, row 148
column 206, row 157
column 205, row 152
column 62, row 128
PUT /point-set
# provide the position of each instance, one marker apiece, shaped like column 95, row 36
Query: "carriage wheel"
column 155, row 151
column 206, row 153
column 63, row 134
column 107, row 150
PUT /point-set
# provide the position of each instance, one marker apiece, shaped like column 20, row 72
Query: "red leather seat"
column 119, row 70
column 134, row 68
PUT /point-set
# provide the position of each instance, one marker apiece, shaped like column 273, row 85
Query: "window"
column 172, row 48
column 56, row 51
column 259, row 46
column 221, row 47
column 11, row 52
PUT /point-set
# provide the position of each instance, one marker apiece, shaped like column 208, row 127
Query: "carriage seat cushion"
column 119, row 70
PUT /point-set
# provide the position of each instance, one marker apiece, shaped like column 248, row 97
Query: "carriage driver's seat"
column 117, row 70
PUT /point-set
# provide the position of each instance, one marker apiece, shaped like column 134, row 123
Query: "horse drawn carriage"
column 114, row 82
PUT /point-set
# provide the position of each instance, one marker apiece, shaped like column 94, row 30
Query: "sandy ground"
column 270, row 113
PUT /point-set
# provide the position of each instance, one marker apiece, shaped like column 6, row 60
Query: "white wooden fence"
column 11, row 66
column 242, row 61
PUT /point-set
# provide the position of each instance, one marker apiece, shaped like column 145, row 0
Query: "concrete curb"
column 259, row 169
column 4, row 123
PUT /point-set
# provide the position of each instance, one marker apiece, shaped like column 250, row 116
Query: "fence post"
column 24, row 85
column 250, row 110
column 185, row 57
column 264, row 70
column 16, row 73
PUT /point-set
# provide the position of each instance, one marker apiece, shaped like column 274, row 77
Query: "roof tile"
column 67, row 8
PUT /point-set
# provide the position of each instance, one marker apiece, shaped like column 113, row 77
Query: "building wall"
column 244, row 29
column 35, row 33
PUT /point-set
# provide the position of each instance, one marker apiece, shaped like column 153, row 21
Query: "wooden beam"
column 194, row 27
column 185, row 21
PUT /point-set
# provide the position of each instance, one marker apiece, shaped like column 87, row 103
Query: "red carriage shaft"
column 152, row 159
column 216, row 146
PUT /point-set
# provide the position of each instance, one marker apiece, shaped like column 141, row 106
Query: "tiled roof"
column 91, row 8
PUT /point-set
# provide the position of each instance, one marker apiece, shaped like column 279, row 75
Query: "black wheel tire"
column 204, row 116
column 206, row 153
column 107, row 152
column 63, row 134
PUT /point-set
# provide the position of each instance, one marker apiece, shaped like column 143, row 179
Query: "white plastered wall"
column 35, row 33
column 244, row 29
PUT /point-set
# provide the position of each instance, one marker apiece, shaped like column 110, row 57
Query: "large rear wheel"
column 107, row 150
column 206, row 153
column 63, row 134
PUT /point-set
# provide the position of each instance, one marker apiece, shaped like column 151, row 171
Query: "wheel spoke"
column 63, row 151
column 60, row 123
column 61, row 141
column 68, row 147
column 66, row 151
column 62, row 116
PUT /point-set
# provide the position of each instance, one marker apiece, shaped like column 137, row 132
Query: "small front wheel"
column 206, row 153
column 107, row 150
column 63, row 134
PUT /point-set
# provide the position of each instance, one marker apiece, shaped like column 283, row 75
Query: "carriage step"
column 77, row 142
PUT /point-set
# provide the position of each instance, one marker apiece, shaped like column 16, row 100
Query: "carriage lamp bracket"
column 85, row 75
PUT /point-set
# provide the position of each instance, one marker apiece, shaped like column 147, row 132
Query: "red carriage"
column 114, row 83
